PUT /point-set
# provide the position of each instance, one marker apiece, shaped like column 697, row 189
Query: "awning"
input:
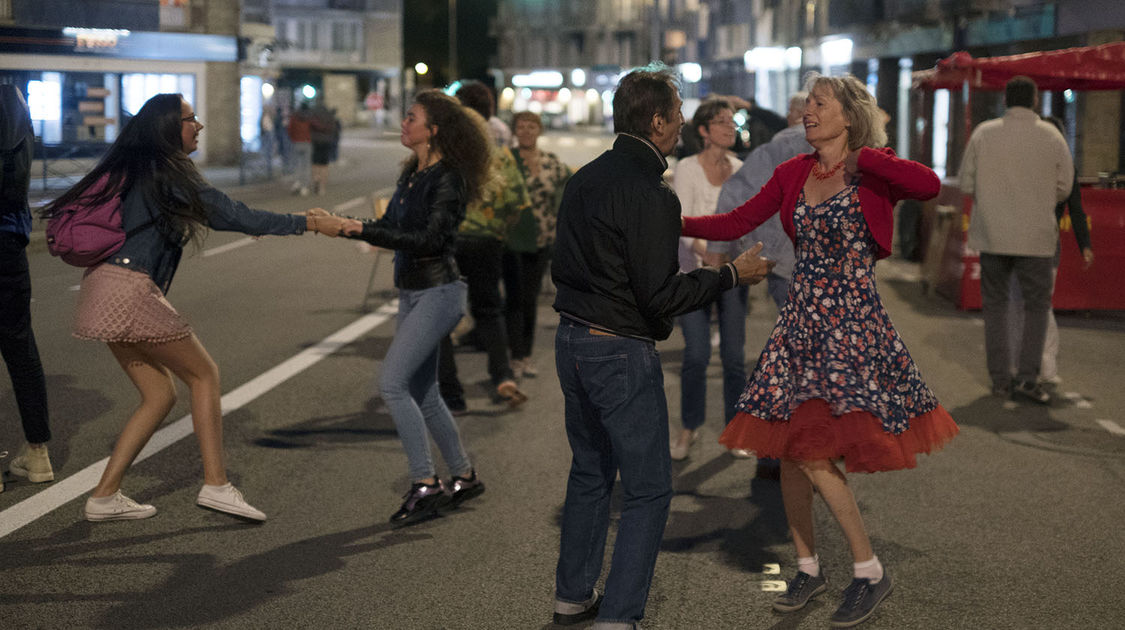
column 1086, row 68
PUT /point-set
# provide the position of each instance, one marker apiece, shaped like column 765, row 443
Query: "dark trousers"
column 479, row 260
column 523, row 279
column 1035, row 276
column 17, row 341
column 616, row 422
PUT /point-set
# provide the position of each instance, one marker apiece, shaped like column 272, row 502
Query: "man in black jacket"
column 618, row 286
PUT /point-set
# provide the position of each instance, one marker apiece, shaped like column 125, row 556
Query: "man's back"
column 616, row 263
column 1017, row 168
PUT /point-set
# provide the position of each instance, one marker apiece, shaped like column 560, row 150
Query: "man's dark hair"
column 1020, row 91
column 641, row 94
column 477, row 97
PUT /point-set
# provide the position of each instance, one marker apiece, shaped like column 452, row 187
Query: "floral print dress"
column 835, row 379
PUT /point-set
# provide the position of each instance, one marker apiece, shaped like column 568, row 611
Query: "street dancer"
column 165, row 204
column 834, row 380
column 617, row 273
column 448, row 169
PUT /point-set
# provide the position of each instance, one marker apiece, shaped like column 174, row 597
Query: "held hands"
column 323, row 222
column 1087, row 258
column 751, row 267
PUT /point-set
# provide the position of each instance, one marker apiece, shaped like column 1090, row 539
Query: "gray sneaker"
column 860, row 600
column 801, row 589
column 1032, row 391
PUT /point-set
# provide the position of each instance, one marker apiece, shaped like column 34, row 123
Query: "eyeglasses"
column 192, row 119
column 722, row 121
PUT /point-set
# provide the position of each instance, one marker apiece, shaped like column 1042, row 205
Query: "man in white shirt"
column 1017, row 168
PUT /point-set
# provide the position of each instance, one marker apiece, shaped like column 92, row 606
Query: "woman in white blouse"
column 698, row 180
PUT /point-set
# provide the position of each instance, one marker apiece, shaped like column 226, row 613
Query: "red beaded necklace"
column 822, row 174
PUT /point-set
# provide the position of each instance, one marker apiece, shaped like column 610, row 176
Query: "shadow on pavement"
column 742, row 529
column 201, row 588
column 998, row 416
column 372, row 424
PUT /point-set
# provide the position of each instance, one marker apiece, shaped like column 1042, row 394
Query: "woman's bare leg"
column 797, row 496
column 833, row 488
column 190, row 362
column 158, row 394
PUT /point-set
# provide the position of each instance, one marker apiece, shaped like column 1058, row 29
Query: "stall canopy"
column 1087, row 68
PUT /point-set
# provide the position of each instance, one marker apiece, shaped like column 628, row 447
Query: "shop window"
column 138, row 88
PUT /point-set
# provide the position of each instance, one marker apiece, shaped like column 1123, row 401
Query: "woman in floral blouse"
column 532, row 239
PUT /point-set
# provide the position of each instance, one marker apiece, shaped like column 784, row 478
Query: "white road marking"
column 75, row 287
column 773, row 586
column 83, row 481
column 1112, row 427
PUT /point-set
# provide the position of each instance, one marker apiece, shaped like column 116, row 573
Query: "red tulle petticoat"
column 813, row 433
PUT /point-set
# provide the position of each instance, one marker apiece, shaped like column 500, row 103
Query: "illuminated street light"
column 421, row 68
column 308, row 91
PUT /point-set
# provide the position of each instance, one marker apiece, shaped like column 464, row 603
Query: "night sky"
column 426, row 37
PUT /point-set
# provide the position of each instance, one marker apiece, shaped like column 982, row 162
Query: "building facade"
column 344, row 53
column 85, row 67
column 763, row 48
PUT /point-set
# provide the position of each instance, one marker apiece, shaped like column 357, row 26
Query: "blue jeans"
column 409, row 383
column 616, row 421
column 697, row 354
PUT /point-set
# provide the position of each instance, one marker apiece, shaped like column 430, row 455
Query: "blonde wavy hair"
column 866, row 126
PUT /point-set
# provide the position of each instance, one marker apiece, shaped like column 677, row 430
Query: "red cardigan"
column 884, row 180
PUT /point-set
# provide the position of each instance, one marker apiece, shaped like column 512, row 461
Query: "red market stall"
column 1089, row 68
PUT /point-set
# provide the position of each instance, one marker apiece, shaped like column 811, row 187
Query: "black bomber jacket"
column 616, row 265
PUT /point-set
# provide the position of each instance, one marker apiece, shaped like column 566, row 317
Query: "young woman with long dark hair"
column 448, row 168
column 166, row 205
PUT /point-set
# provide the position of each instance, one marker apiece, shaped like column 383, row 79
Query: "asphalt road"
column 1017, row 524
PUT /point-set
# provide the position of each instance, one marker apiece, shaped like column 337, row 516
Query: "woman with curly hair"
column 447, row 170
column 835, row 380
column 165, row 204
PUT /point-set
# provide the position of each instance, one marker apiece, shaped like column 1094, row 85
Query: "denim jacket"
column 148, row 250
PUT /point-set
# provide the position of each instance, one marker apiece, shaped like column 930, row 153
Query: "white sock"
column 871, row 569
column 809, row 565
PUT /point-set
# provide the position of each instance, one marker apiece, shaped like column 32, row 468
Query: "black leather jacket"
column 420, row 224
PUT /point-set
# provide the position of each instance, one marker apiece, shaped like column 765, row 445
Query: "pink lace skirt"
column 120, row 305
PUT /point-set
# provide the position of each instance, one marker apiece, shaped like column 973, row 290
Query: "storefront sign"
column 119, row 43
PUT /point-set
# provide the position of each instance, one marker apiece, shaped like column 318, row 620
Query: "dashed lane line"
column 1112, row 427
column 74, row 486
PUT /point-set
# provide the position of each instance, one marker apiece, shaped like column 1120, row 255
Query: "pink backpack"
column 85, row 234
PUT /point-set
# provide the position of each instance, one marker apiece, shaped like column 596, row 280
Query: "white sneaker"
column 33, row 464
column 226, row 498
column 679, row 449
column 117, row 507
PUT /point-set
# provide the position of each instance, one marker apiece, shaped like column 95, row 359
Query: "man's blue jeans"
column 697, row 354
column 409, row 383
column 616, row 421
